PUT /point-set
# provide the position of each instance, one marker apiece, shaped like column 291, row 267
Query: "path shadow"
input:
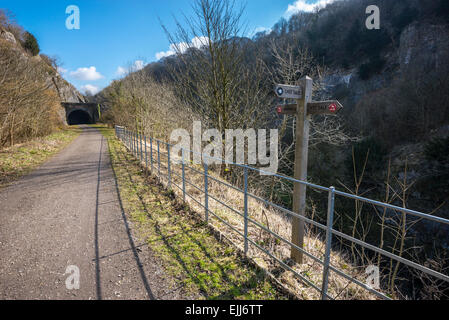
column 131, row 241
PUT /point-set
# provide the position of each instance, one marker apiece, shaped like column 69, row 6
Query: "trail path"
column 68, row 212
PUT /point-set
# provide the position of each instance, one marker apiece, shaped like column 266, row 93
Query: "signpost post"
column 303, row 109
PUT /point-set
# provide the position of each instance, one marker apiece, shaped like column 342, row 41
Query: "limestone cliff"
column 420, row 44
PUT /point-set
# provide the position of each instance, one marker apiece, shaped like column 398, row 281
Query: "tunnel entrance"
column 79, row 117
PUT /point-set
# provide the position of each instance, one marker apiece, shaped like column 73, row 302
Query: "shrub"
column 30, row 44
column 28, row 108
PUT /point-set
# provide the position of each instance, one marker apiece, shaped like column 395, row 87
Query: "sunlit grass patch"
column 20, row 159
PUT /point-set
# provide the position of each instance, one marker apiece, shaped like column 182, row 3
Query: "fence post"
column 158, row 161
column 137, row 145
column 327, row 254
column 168, row 166
column 206, row 194
column 183, row 177
column 146, row 156
column 141, row 151
column 134, row 143
column 151, row 153
column 245, row 206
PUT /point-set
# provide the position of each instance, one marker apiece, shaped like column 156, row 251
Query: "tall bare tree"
column 212, row 70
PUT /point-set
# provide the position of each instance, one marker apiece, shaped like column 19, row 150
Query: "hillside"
column 393, row 82
column 31, row 88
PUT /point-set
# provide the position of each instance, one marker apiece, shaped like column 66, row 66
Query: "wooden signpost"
column 304, row 109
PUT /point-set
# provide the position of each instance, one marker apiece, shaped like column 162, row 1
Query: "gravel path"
column 68, row 212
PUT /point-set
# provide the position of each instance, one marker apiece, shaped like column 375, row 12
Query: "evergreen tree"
column 30, row 44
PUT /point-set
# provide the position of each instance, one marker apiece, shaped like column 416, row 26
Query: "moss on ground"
column 206, row 267
column 22, row 158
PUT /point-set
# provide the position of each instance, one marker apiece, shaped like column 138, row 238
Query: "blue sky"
column 115, row 34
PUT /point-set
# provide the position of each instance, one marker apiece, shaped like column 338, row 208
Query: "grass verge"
column 187, row 247
column 22, row 158
column 303, row 281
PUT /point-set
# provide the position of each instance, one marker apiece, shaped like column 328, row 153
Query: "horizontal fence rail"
column 137, row 145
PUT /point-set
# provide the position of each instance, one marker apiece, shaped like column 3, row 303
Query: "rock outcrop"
column 66, row 91
column 424, row 43
column 420, row 44
column 8, row 36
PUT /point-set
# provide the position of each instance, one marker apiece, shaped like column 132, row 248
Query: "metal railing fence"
column 138, row 147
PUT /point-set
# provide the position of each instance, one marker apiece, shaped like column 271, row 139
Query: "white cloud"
column 181, row 47
column 90, row 89
column 136, row 66
column 199, row 42
column 87, row 74
column 121, row 71
column 303, row 5
column 164, row 54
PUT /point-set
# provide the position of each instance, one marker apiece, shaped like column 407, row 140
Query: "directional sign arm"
column 330, row 107
column 286, row 109
column 288, row 92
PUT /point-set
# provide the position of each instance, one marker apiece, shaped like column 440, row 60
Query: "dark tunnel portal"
column 79, row 117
